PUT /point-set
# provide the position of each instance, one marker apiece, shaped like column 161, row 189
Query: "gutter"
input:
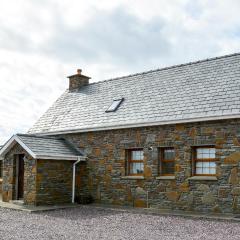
column 74, row 180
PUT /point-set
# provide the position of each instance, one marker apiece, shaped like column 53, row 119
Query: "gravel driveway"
column 88, row 222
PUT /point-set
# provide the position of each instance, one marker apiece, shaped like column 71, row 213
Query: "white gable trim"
column 11, row 142
column 15, row 139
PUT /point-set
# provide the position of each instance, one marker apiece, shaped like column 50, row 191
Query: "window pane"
column 200, row 150
column 167, row 167
column 203, row 153
column 169, row 154
column 199, row 164
column 136, row 168
column 212, row 152
column 205, row 164
column 212, row 170
column 137, row 155
column 199, row 171
column 114, row 105
column 205, row 168
column 212, row 164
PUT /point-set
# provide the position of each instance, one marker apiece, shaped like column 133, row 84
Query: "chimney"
column 78, row 80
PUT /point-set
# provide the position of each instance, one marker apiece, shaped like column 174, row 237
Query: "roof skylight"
column 115, row 105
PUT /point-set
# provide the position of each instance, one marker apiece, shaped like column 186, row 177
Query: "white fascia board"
column 60, row 157
column 11, row 142
column 15, row 139
column 143, row 124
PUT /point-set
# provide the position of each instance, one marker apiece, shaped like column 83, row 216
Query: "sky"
column 43, row 42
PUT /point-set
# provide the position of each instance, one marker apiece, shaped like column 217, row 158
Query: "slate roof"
column 203, row 90
column 43, row 147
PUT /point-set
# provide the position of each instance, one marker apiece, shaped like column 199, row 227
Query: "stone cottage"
column 167, row 138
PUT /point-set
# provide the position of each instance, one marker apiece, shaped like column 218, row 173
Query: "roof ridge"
column 168, row 67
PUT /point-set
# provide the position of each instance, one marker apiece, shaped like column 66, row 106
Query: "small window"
column 115, row 105
column 205, row 161
column 135, row 164
column 167, row 161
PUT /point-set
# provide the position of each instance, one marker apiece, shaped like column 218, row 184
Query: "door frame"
column 17, row 175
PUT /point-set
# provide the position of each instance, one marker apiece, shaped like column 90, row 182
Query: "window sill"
column 132, row 177
column 203, row 178
column 165, row 178
column 229, row 164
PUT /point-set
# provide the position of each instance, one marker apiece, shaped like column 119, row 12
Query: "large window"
column 205, row 161
column 167, row 161
column 135, row 164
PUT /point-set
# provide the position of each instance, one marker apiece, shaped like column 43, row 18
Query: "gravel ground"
column 88, row 222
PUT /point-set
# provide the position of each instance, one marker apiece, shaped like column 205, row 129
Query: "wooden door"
column 20, row 176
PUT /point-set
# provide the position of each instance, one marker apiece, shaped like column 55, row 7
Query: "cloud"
column 42, row 42
column 114, row 36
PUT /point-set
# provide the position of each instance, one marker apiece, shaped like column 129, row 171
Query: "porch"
column 38, row 171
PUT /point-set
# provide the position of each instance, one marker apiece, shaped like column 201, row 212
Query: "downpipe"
column 74, row 179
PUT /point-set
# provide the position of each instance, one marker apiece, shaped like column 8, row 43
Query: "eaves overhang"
column 141, row 124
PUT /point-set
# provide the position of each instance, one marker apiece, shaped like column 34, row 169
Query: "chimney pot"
column 78, row 80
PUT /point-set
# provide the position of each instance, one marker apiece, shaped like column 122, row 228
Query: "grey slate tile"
column 208, row 88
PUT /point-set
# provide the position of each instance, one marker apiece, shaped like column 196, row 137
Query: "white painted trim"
column 203, row 178
column 11, row 142
column 60, row 157
column 132, row 177
column 165, row 178
column 15, row 139
column 143, row 124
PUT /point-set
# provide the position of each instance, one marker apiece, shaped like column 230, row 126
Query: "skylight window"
column 114, row 106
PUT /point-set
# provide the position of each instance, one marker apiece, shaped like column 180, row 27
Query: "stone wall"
column 54, row 182
column 82, row 183
column 106, row 179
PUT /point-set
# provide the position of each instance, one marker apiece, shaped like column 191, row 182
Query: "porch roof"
column 41, row 147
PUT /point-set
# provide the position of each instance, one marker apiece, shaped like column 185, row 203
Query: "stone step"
column 18, row 202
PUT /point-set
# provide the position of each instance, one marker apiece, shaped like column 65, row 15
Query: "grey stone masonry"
column 54, row 182
column 108, row 182
column 77, row 81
